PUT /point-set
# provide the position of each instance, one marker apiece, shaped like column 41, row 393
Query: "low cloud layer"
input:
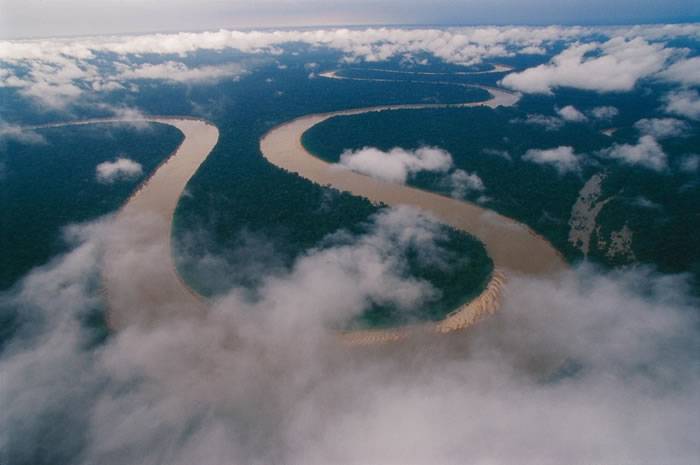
column 120, row 169
column 58, row 72
column 597, row 367
column 55, row 73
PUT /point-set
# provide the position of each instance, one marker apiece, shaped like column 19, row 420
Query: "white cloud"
column 58, row 71
column 615, row 65
column 646, row 152
column 456, row 45
column 684, row 103
column 662, row 128
column 604, row 112
column 562, row 158
column 570, row 113
column 396, row 165
column 120, row 169
column 685, row 71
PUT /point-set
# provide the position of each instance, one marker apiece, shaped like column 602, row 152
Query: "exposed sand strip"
column 465, row 316
column 512, row 246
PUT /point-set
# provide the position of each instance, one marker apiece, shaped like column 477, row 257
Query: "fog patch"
column 593, row 366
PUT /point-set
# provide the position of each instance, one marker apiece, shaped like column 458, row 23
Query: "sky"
column 44, row 18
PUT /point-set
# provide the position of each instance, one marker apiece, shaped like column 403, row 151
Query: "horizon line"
column 357, row 26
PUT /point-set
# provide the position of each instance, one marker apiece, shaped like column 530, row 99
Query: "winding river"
column 140, row 278
column 513, row 246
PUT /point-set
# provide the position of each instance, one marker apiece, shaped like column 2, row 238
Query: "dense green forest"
column 658, row 206
column 49, row 184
